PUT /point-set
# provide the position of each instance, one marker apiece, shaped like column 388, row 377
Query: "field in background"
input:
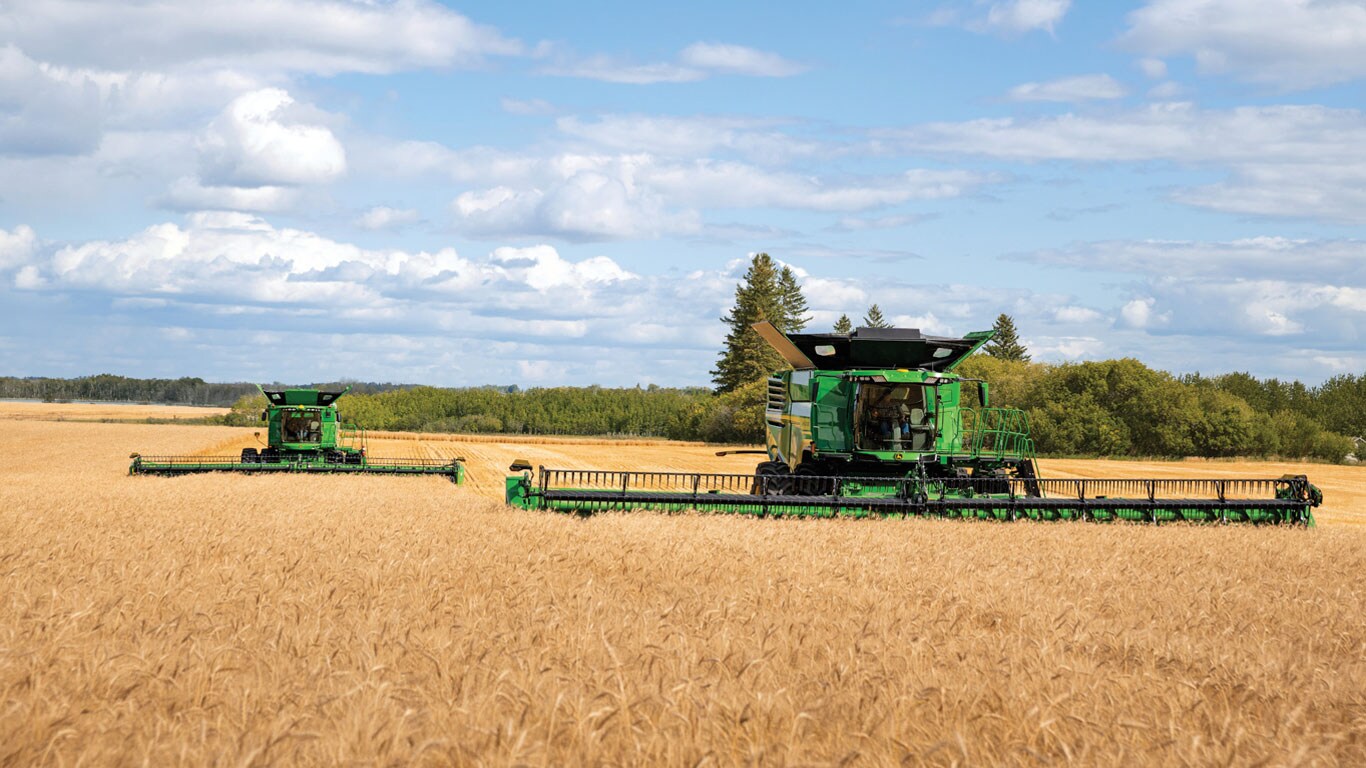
column 24, row 410
column 323, row 620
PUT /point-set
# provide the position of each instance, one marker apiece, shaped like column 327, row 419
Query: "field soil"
column 321, row 620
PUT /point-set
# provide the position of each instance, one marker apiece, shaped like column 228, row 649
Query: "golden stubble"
column 235, row 620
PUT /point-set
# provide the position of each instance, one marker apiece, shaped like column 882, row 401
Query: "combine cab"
column 876, row 423
column 304, row 434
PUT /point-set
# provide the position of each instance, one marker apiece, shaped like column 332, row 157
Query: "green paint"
column 849, row 439
column 304, row 433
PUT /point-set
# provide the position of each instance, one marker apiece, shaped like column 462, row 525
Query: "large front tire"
column 771, row 479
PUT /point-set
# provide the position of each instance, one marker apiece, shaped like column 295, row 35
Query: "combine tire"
column 804, row 481
column 778, row 482
column 249, row 456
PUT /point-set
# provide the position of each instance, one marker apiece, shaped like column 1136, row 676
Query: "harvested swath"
column 329, row 619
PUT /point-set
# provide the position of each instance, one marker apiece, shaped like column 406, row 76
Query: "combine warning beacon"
column 876, row 422
column 304, row 434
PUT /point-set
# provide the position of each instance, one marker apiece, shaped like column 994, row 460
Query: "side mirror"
column 265, row 415
column 982, row 394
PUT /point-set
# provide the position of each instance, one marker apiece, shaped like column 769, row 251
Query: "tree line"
column 186, row 390
column 1124, row 408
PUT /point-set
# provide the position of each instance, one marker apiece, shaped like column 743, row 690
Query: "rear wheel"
column 249, row 456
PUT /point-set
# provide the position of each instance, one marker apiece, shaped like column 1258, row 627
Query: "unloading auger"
column 873, row 423
column 304, row 433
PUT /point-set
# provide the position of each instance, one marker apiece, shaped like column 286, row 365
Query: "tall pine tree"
column 874, row 318
column 1006, row 345
column 791, row 302
column 843, row 325
column 746, row 356
column 767, row 293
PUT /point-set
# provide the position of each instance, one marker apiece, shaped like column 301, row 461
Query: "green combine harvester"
column 875, row 423
column 305, row 433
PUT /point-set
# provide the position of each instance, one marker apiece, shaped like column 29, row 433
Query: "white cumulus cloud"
column 1287, row 43
column 1139, row 314
column 258, row 141
column 1286, row 160
column 324, row 37
column 1018, row 16
column 17, row 246
column 1077, row 315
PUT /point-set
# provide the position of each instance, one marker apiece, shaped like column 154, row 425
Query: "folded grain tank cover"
column 886, row 348
column 302, row 397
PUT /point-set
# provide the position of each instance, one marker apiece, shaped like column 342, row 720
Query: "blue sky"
column 301, row 190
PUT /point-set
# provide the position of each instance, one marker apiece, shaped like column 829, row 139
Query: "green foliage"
column 1010, row 380
column 1341, row 404
column 1006, row 344
column 1295, row 434
column 874, row 318
column 737, row 416
column 1080, row 427
column 246, row 411
column 474, row 423
column 1122, row 407
column 652, row 412
column 765, row 294
column 1226, row 426
column 843, row 325
column 791, row 303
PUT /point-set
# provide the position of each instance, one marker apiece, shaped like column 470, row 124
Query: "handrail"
column 996, row 432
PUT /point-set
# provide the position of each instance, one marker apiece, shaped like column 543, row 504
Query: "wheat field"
column 318, row 620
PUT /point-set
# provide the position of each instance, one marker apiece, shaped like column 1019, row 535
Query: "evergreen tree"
column 843, row 325
column 747, row 357
column 1007, row 344
column 874, row 318
column 791, row 302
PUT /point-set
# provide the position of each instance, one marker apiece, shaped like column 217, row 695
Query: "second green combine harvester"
column 304, row 433
column 876, row 423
